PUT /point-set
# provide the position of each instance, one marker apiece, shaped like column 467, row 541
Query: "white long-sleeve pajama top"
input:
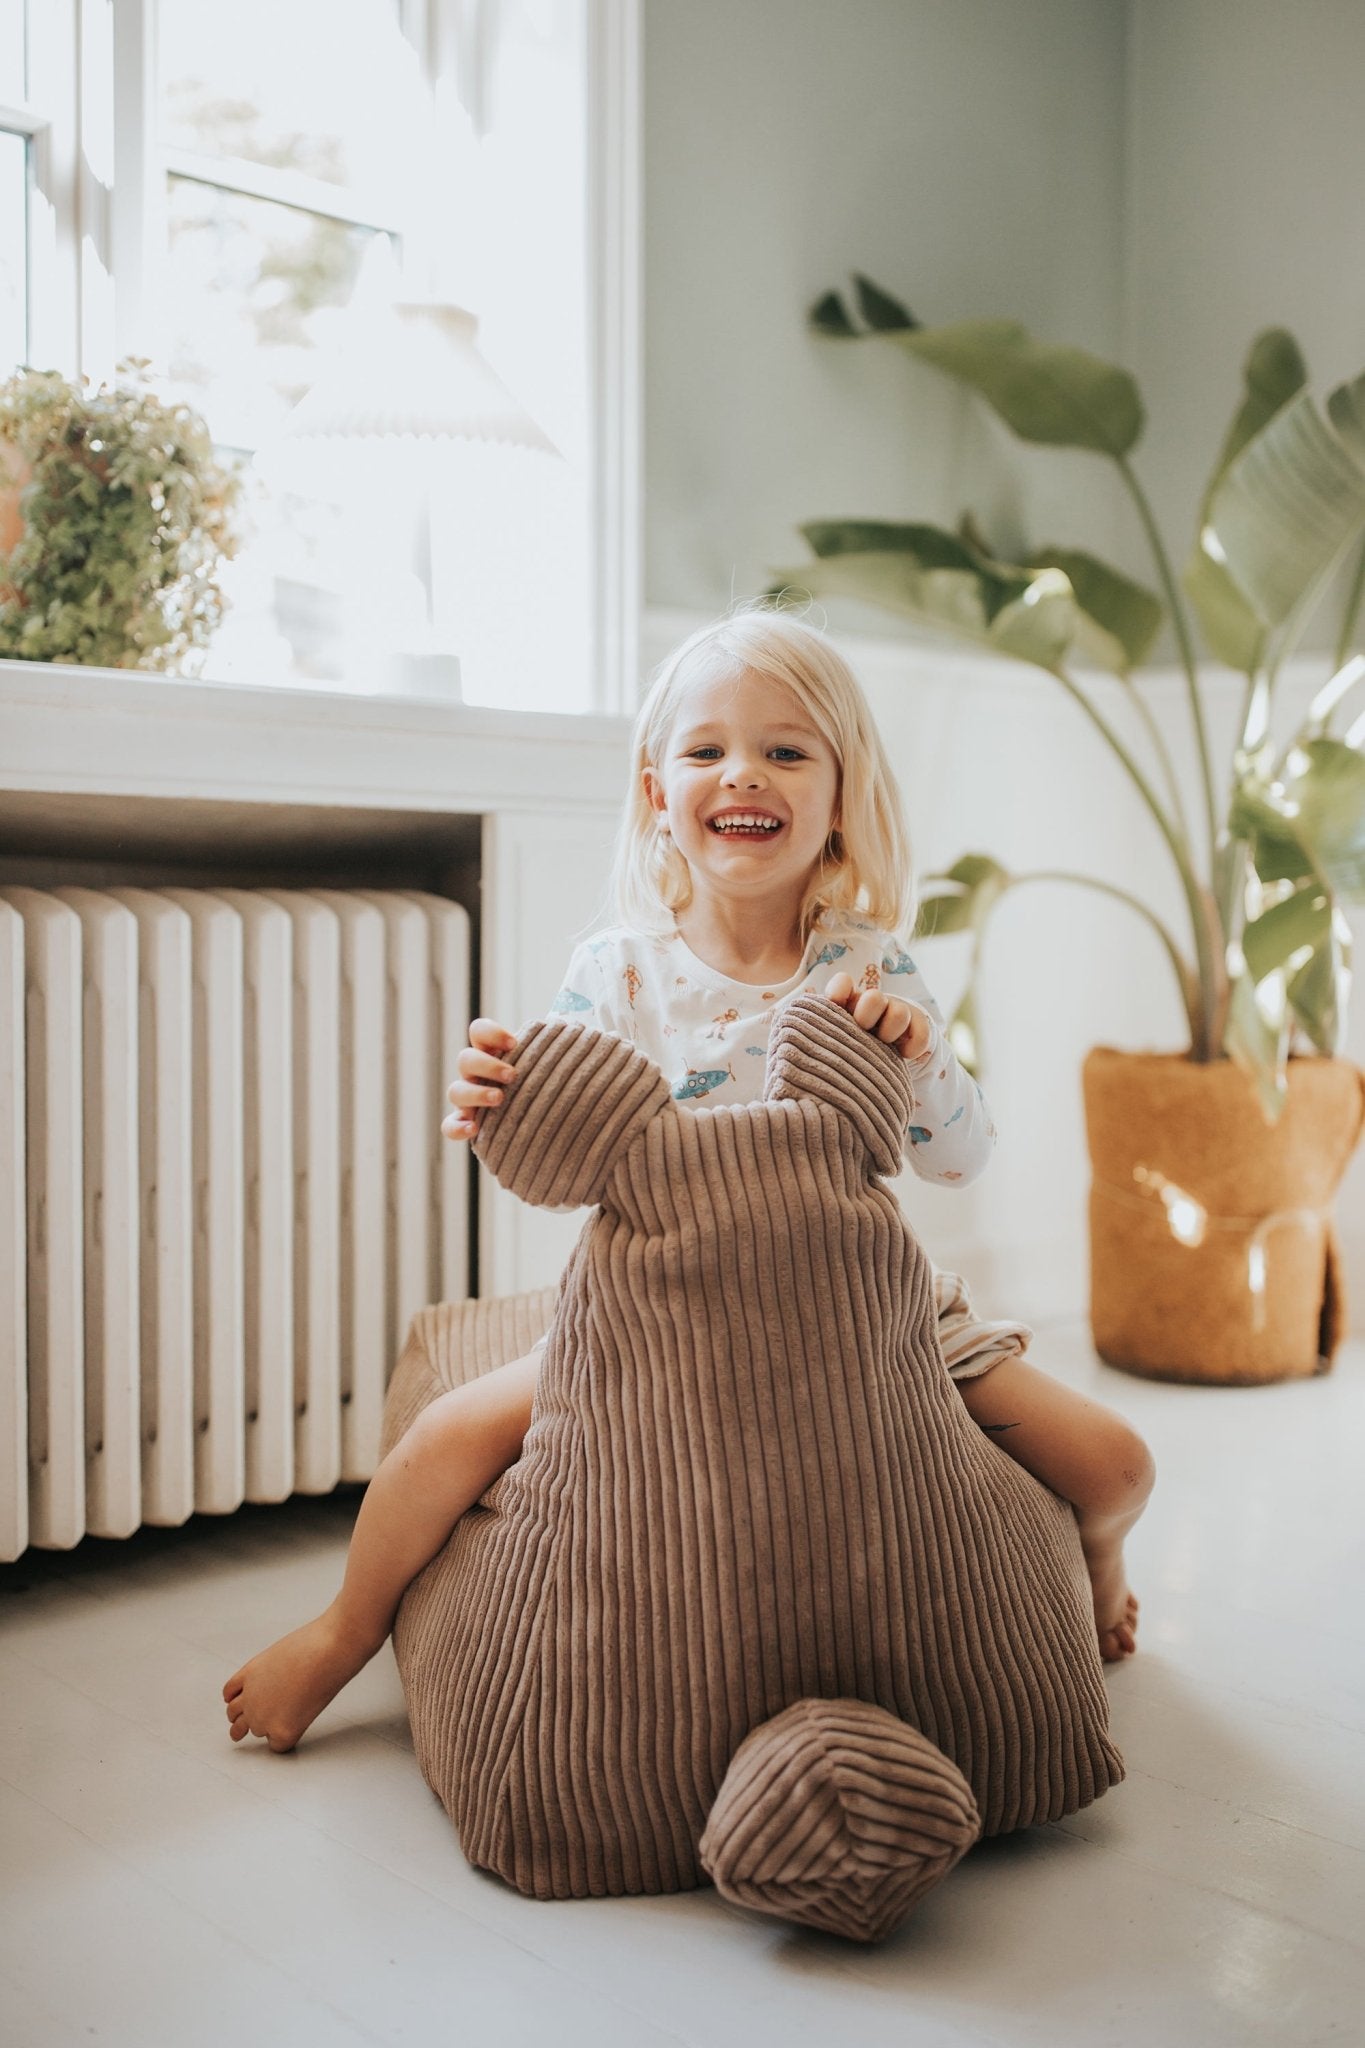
column 709, row 1037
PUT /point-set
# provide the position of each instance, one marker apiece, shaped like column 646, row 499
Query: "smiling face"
column 747, row 786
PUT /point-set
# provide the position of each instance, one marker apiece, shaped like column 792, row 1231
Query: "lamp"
column 407, row 376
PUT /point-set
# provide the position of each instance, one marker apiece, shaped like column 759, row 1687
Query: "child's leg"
column 453, row 1452
column 1087, row 1454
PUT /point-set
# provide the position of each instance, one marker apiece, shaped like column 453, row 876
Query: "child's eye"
column 788, row 753
column 702, row 753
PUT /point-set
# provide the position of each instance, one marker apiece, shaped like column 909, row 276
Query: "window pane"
column 13, row 251
column 253, row 290
column 13, row 56
column 328, row 90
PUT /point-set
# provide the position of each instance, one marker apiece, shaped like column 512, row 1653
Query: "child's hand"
column 478, row 1066
column 903, row 1025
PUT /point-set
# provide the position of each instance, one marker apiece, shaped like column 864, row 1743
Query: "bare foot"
column 1116, row 1608
column 281, row 1691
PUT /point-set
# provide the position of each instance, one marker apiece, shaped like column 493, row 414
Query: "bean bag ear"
column 817, row 1050
column 578, row 1103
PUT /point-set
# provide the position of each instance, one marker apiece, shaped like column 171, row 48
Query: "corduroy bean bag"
column 759, row 1600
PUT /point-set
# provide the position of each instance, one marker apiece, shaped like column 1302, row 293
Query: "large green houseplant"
column 115, row 520
column 1278, row 845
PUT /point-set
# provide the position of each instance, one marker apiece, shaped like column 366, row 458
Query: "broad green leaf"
column 1114, row 619
column 883, row 314
column 1310, row 821
column 1333, row 692
column 1232, row 632
column 1303, row 920
column 1038, row 625
column 1318, row 993
column 931, row 547
column 1119, row 618
column 1346, row 410
column 964, row 1032
column 1273, row 372
column 1324, row 800
column 1276, row 853
column 1057, row 396
column 940, row 914
column 827, row 316
column 977, row 884
column 1255, row 1038
column 1287, row 506
column 976, row 871
column 1271, row 375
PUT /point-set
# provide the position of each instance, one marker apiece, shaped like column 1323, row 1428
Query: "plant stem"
column 1182, row 634
column 1232, row 866
column 1162, row 752
column 1211, row 973
column 1349, row 616
column 1186, row 979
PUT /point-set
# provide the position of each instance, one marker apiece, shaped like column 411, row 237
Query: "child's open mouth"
column 745, row 825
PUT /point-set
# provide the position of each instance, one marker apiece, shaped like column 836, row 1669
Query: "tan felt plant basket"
column 1213, row 1255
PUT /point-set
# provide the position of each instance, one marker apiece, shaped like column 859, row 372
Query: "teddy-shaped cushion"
column 758, row 1601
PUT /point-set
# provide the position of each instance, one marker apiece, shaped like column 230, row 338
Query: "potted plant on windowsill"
column 115, row 519
column 1213, row 1254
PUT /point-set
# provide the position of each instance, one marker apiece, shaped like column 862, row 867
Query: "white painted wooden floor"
column 160, row 1888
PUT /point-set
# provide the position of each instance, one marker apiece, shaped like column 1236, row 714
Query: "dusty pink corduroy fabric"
column 759, row 1601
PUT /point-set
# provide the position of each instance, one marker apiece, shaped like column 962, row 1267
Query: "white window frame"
column 451, row 32
column 48, row 119
column 97, row 222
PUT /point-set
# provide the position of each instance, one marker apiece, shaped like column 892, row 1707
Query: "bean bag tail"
column 837, row 1815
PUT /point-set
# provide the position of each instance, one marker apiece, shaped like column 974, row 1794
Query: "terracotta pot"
column 1213, row 1255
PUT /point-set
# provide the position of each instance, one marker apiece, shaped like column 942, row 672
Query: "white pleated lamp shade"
column 415, row 374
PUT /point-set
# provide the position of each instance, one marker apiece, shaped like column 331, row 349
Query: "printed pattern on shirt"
column 709, row 1034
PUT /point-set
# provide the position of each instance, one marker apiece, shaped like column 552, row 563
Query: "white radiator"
column 223, row 1191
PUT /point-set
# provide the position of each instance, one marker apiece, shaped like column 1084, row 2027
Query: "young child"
column 762, row 851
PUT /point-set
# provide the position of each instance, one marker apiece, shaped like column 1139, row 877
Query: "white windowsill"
column 69, row 730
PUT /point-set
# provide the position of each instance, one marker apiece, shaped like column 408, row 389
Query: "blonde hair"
column 865, row 866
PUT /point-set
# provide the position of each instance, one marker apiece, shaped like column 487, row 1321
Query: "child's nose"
column 742, row 773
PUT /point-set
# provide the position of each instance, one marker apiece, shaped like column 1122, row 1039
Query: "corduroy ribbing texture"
column 749, row 1485
column 839, row 1815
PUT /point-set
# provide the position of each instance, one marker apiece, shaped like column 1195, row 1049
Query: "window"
column 256, row 196
column 38, row 175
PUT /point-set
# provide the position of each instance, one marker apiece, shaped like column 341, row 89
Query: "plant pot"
column 1213, row 1255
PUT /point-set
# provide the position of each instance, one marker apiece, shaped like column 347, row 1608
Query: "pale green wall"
column 1245, row 208
column 1154, row 179
column 965, row 153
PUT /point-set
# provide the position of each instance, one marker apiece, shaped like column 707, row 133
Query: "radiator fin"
column 223, row 1191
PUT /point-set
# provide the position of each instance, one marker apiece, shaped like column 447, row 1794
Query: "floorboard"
column 160, row 1886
